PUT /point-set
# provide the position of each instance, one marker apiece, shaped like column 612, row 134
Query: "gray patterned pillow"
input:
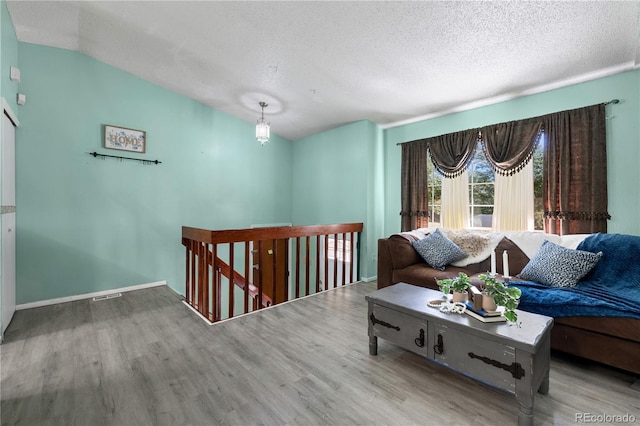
column 438, row 250
column 559, row 266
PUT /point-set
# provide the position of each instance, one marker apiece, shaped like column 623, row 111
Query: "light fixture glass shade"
column 262, row 131
column 262, row 128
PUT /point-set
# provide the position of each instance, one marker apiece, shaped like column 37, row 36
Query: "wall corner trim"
column 369, row 279
column 87, row 295
column 12, row 116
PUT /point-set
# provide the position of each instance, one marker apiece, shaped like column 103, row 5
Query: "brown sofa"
column 611, row 341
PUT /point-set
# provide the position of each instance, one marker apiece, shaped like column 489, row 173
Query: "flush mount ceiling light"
column 262, row 128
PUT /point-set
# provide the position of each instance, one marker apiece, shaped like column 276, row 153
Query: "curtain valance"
column 452, row 153
column 509, row 146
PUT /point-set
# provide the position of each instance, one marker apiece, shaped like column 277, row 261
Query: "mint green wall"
column 376, row 201
column 623, row 140
column 9, row 44
column 333, row 174
column 87, row 224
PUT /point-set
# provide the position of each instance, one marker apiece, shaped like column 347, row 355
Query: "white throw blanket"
column 531, row 241
column 417, row 234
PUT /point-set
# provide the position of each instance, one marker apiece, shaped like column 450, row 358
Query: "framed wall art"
column 125, row 139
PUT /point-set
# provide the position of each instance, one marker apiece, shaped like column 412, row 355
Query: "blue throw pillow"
column 438, row 250
column 559, row 266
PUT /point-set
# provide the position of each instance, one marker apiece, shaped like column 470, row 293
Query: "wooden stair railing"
column 205, row 287
column 240, row 282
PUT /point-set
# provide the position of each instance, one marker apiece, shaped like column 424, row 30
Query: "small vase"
column 459, row 297
column 488, row 304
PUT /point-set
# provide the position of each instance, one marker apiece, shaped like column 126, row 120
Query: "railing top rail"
column 270, row 233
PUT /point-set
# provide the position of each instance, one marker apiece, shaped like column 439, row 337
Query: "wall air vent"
column 105, row 297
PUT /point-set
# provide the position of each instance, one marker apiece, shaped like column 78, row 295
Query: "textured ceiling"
column 322, row 64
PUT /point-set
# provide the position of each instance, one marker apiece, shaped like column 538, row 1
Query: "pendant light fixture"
column 262, row 128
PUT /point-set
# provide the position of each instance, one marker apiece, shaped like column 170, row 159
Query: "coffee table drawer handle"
column 375, row 321
column 515, row 368
column 420, row 339
column 439, row 347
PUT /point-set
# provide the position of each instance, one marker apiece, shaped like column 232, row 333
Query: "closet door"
column 8, row 268
column 8, row 221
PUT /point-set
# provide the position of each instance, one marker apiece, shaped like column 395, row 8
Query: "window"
column 538, row 201
column 435, row 193
column 481, row 190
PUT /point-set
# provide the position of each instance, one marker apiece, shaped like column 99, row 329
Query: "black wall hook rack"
column 142, row 160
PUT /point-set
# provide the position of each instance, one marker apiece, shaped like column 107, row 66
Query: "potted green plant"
column 459, row 285
column 502, row 295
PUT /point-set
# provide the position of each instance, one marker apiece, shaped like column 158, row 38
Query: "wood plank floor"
column 146, row 359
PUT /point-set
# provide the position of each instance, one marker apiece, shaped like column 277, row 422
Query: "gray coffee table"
column 515, row 359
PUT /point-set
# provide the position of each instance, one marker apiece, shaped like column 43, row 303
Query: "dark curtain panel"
column 575, row 178
column 451, row 153
column 509, row 146
column 414, row 188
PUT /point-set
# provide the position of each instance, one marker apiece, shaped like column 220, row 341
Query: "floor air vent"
column 108, row 296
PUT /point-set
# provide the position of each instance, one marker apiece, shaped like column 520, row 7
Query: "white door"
column 8, row 222
column 8, row 268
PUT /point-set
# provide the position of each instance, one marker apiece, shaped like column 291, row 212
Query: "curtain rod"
column 612, row 101
column 142, row 160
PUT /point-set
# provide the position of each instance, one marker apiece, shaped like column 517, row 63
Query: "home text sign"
column 125, row 139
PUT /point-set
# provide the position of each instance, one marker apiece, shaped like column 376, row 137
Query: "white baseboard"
column 369, row 279
column 87, row 295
